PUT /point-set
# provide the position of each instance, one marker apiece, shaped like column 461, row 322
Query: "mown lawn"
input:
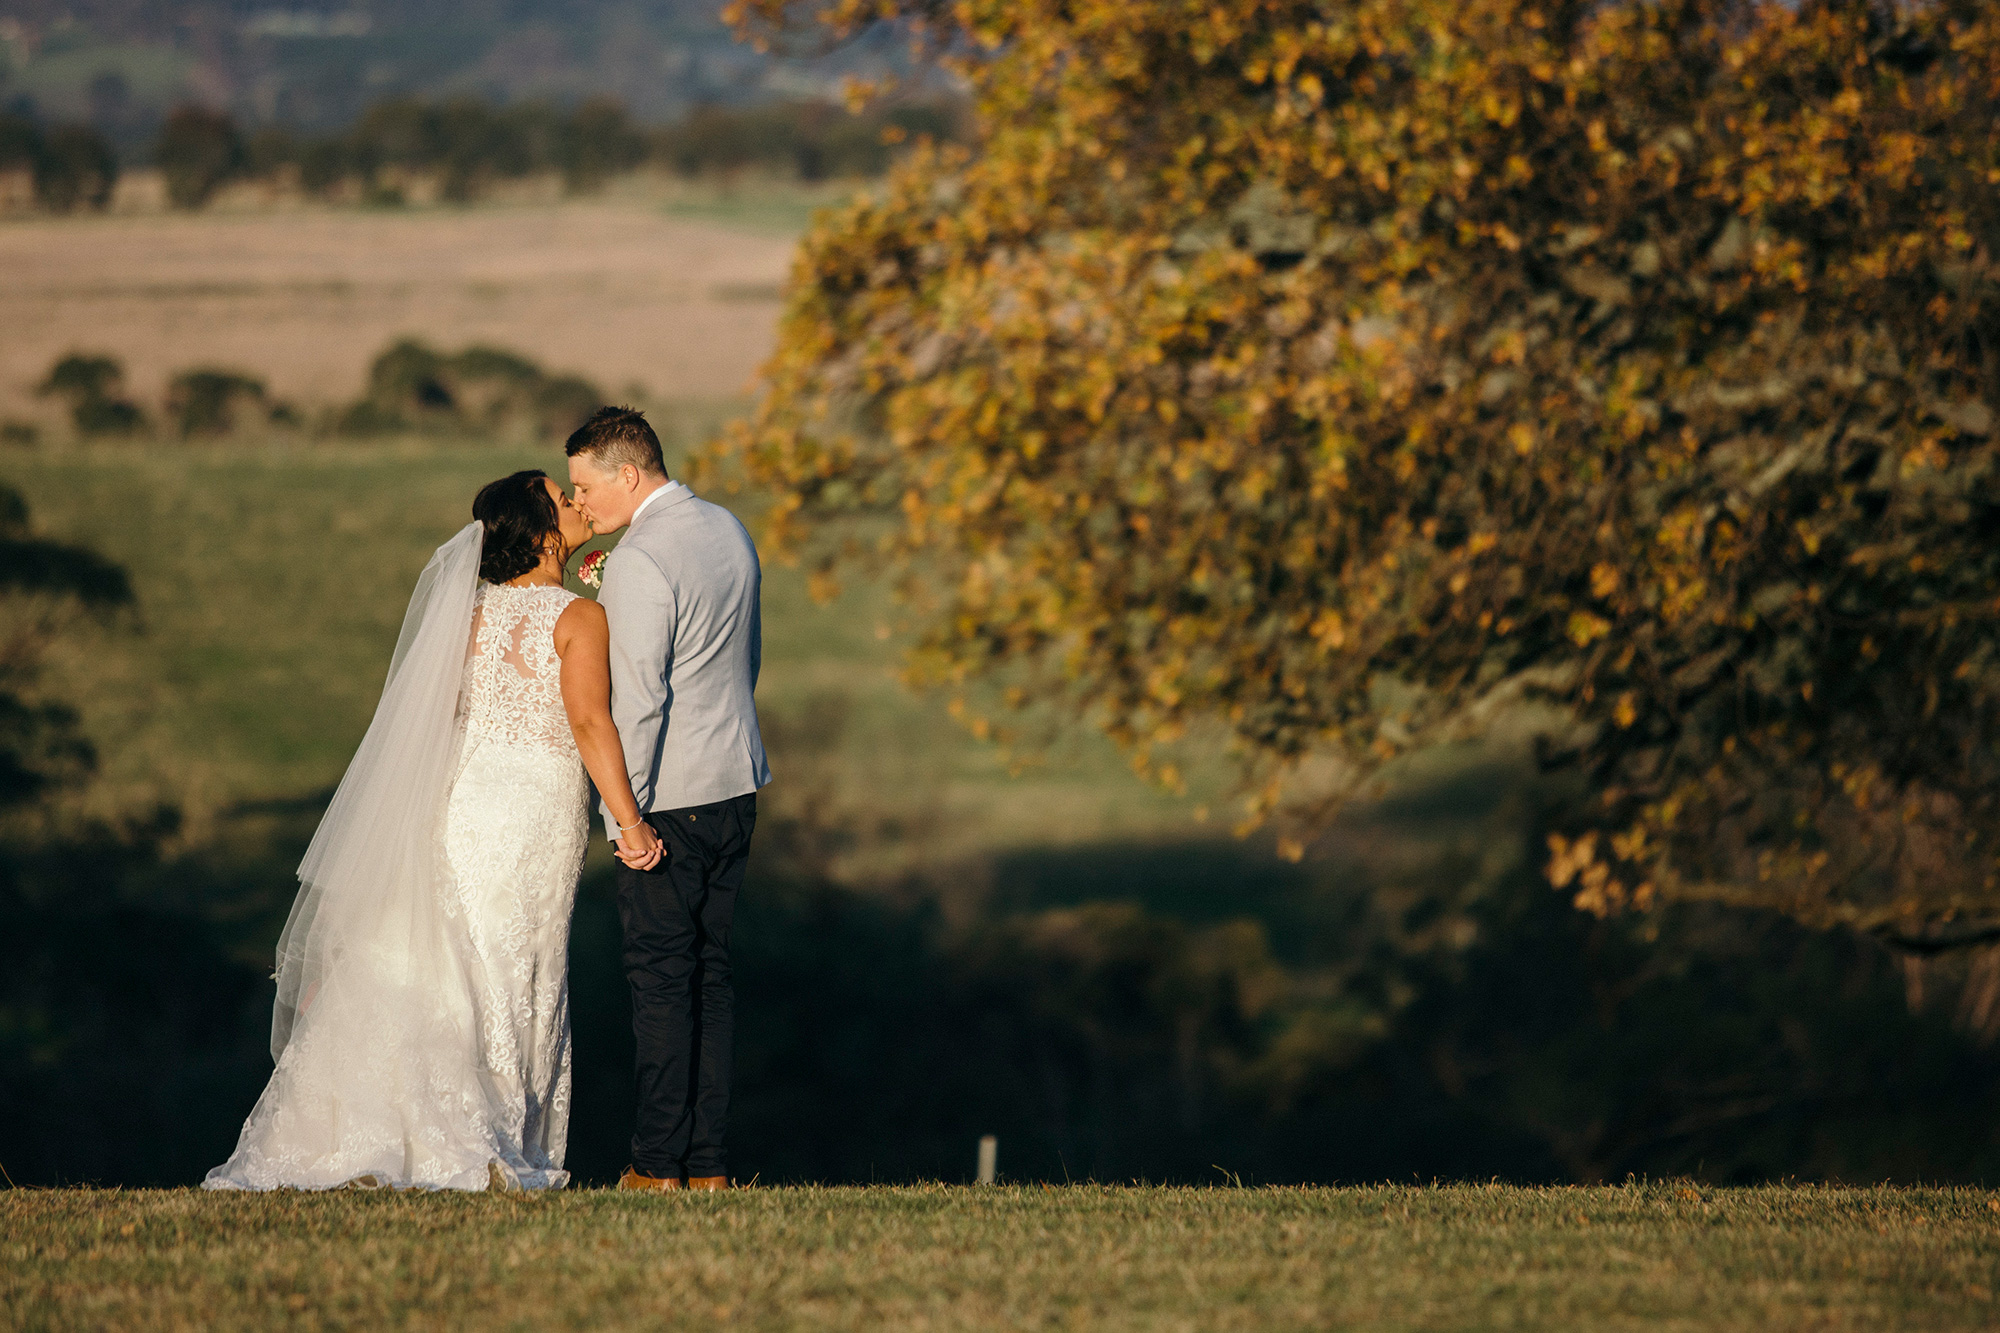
column 950, row 1257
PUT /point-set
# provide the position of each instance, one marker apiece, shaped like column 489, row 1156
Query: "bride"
column 421, row 1030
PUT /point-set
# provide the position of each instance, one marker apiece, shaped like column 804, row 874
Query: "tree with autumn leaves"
column 1347, row 375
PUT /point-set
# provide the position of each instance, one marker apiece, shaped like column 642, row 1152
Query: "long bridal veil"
column 367, row 886
column 379, row 1066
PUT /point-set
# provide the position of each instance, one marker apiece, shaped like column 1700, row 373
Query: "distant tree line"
column 466, row 145
column 72, row 166
column 412, row 387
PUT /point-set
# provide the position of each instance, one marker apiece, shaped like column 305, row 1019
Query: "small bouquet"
column 591, row 571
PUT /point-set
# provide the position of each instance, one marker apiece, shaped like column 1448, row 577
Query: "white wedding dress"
column 422, row 1026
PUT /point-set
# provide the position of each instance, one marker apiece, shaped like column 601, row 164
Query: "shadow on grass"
column 1111, row 1012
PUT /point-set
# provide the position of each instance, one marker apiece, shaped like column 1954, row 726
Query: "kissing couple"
column 421, row 1029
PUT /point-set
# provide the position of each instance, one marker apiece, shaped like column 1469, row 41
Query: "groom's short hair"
column 615, row 436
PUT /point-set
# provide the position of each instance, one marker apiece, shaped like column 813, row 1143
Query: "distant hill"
column 121, row 63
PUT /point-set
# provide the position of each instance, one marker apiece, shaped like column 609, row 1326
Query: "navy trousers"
column 676, row 918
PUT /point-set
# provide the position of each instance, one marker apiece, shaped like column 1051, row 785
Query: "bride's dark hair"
column 519, row 518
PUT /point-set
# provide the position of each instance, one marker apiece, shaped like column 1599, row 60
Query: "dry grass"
column 676, row 295
column 1662, row 1256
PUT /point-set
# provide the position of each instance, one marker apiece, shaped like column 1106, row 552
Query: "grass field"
column 271, row 574
column 271, row 581
column 1656, row 1256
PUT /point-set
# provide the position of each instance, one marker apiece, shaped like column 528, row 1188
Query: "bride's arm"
column 583, row 641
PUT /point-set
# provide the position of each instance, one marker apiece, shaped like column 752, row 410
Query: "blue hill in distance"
column 120, row 64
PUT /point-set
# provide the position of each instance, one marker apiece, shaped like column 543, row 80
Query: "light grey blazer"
column 681, row 592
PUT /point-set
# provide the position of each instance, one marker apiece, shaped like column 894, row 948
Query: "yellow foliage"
column 1259, row 352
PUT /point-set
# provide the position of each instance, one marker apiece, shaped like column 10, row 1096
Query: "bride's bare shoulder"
column 581, row 617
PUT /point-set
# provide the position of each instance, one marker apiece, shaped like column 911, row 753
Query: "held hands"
column 639, row 847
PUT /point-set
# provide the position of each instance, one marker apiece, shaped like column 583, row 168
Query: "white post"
column 989, row 1158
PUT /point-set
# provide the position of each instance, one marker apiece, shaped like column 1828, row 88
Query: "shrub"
column 561, row 403
column 92, row 384
column 214, row 402
column 413, row 386
column 269, row 150
column 198, row 151
column 323, row 165
column 20, row 142
column 75, row 167
column 597, row 142
column 405, row 385
column 107, row 416
column 82, row 375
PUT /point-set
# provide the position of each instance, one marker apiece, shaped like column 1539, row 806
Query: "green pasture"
column 271, row 579
column 1665, row 1256
column 749, row 201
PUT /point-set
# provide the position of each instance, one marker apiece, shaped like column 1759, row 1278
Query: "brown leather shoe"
column 708, row 1182
column 633, row 1179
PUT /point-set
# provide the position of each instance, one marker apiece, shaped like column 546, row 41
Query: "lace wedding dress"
column 422, row 1028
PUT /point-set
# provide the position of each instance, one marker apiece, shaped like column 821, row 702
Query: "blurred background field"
column 674, row 292
column 272, row 578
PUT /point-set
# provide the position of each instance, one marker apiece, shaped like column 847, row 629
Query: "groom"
column 681, row 594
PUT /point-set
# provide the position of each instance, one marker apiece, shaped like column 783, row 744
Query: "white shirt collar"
column 670, row 486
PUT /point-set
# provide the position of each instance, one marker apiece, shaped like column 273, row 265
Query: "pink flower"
column 591, row 571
